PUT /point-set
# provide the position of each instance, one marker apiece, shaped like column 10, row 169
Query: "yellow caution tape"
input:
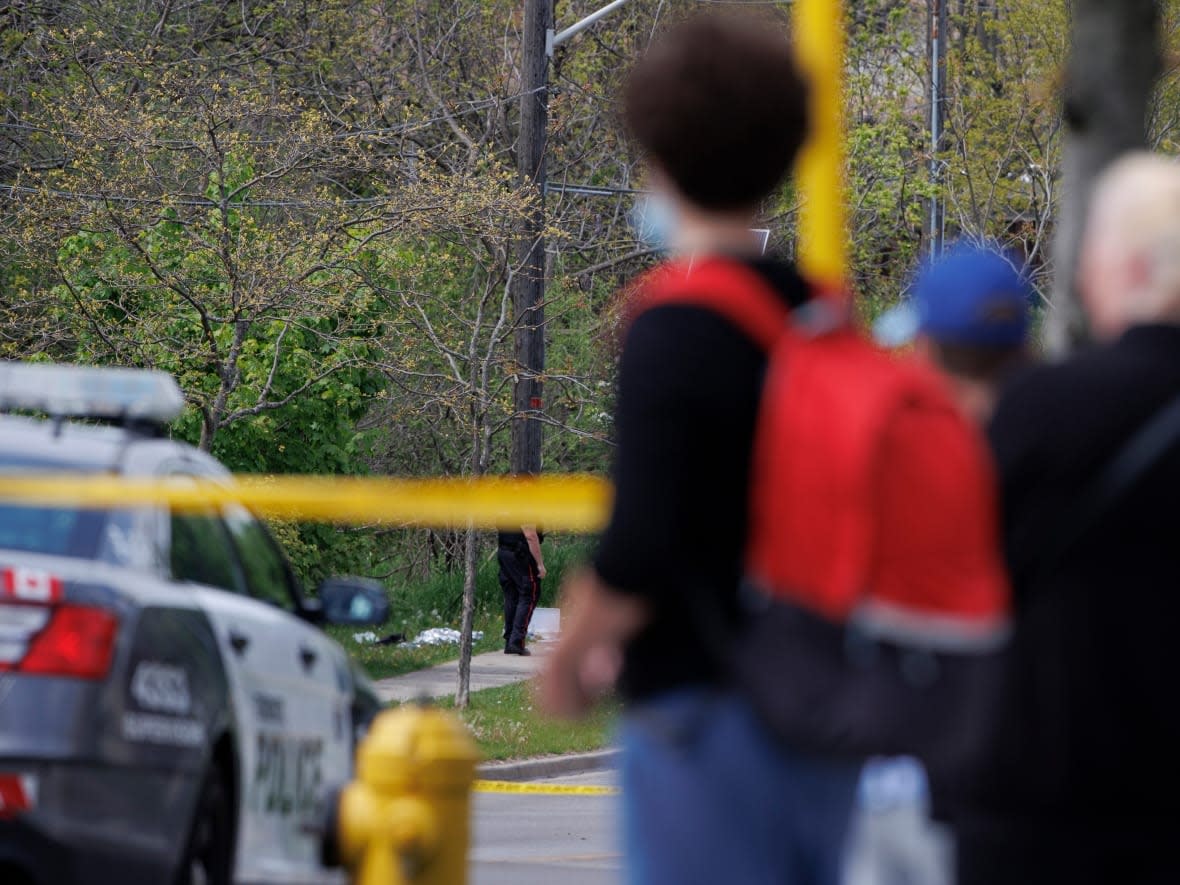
column 567, row 502
column 543, row 789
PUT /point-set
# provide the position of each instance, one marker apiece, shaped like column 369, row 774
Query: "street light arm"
column 553, row 40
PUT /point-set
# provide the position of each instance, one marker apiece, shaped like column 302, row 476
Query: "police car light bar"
column 65, row 391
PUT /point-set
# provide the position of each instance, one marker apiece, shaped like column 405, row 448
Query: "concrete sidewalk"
column 488, row 670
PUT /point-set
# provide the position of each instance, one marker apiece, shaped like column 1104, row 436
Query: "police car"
column 169, row 711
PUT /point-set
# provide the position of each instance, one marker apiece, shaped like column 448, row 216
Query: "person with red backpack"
column 788, row 588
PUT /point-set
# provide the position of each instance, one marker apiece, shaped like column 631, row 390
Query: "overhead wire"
column 204, row 203
column 377, row 131
column 190, row 202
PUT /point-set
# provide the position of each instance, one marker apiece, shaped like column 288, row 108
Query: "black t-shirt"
column 1090, row 727
column 517, row 544
column 689, row 387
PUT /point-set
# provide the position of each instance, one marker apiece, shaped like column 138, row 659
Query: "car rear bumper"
column 92, row 824
column 29, row 855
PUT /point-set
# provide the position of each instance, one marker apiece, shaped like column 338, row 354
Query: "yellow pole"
column 819, row 176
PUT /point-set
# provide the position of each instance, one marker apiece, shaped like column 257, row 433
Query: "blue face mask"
column 655, row 221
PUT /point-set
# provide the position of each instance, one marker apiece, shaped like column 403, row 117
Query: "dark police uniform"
column 521, row 583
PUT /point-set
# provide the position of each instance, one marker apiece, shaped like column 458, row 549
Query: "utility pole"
column 528, row 286
column 936, row 14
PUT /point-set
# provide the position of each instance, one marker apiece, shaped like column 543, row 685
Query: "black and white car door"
column 303, row 730
column 254, row 652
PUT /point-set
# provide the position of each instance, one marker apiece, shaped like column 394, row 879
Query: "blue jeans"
column 710, row 797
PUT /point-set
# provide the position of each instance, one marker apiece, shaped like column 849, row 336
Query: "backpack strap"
column 724, row 286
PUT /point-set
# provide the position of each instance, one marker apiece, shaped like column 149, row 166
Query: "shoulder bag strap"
column 1136, row 457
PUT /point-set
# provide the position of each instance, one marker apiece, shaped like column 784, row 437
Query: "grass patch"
column 506, row 726
column 438, row 602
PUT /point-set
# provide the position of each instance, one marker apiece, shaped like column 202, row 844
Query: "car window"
column 130, row 538
column 267, row 575
column 58, row 531
column 202, row 551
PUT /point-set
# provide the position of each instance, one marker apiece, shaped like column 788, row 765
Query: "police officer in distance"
column 522, row 566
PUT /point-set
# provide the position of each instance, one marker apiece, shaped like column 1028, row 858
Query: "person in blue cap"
column 968, row 313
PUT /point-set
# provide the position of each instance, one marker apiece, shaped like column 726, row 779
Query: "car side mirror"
column 354, row 602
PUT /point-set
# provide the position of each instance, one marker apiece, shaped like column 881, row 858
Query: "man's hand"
column 586, row 663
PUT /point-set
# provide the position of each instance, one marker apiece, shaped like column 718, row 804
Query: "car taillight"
column 78, row 641
column 17, row 794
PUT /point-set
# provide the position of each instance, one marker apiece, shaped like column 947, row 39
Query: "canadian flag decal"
column 31, row 585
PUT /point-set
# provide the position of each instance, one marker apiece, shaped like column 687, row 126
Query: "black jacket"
column 516, row 544
column 1090, row 728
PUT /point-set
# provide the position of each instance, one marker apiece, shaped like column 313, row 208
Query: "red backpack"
column 879, row 590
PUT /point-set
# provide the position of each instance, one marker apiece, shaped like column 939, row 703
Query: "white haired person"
column 1083, row 769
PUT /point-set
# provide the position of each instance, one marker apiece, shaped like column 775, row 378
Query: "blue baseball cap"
column 969, row 295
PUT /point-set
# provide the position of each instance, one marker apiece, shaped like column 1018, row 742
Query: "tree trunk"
column 478, row 399
column 470, row 563
column 1114, row 63
column 208, row 430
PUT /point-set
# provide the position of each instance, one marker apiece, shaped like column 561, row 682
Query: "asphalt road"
column 525, row 839
column 522, row 839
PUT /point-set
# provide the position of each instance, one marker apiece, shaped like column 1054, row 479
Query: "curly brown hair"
column 719, row 104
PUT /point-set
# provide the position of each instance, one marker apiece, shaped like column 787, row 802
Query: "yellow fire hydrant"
column 404, row 819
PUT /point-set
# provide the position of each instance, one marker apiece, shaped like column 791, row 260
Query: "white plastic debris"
column 433, row 636
column 440, row 636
